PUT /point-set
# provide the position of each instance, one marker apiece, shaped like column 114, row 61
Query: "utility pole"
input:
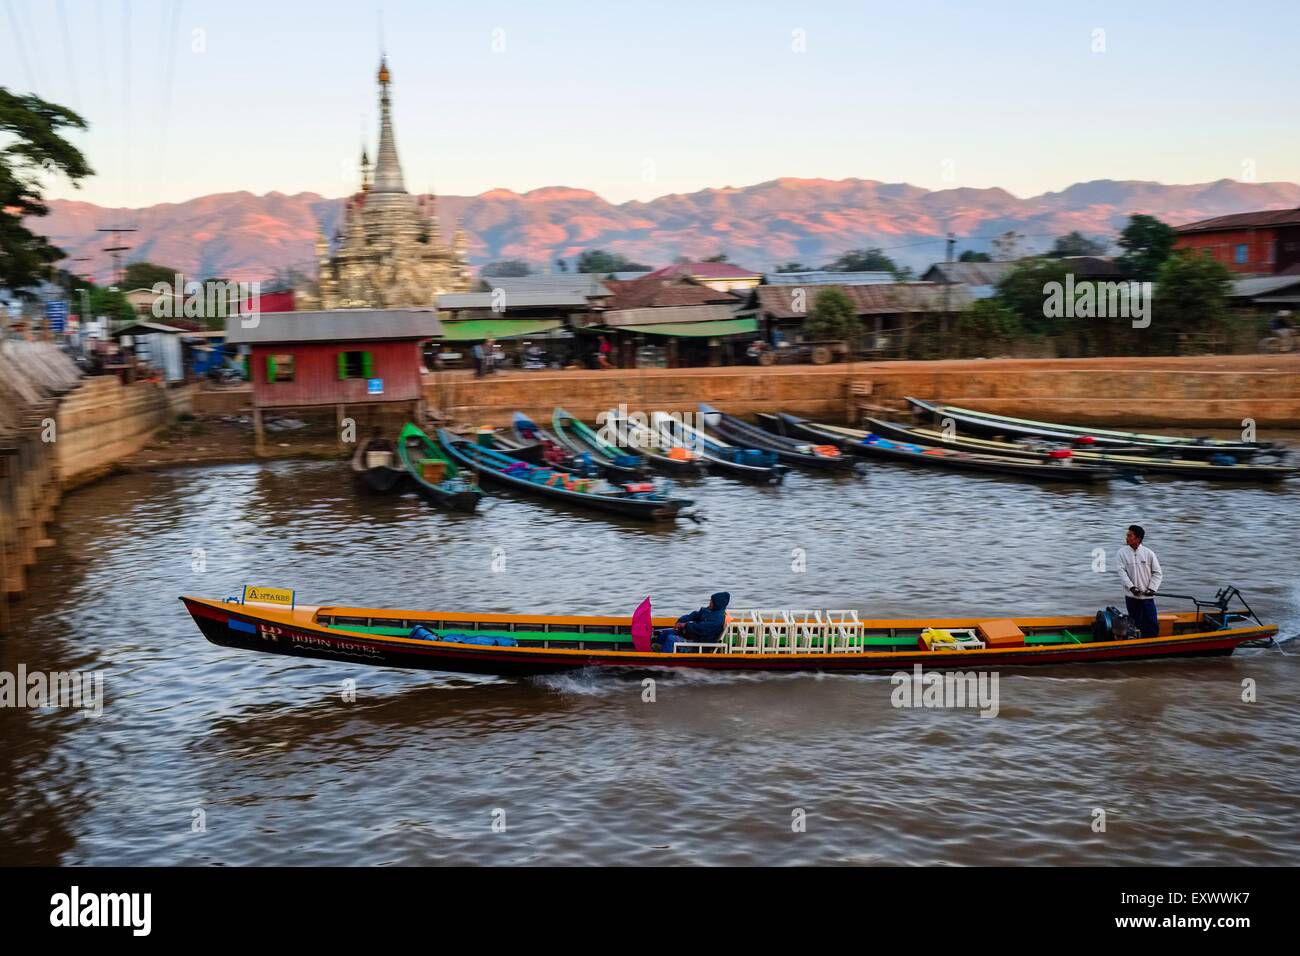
column 947, row 286
column 116, row 250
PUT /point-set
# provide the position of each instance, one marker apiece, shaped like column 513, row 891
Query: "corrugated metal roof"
column 897, row 298
column 708, row 271
column 669, row 315
column 823, row 277
column 583, row 283
column 970, row 273
column 1261, row 285
column 335, row 325
column 1244, row 220
column 512, row 300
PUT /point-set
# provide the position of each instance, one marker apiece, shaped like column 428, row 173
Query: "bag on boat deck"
column 422, row 633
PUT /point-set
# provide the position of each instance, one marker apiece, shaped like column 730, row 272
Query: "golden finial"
column 383, row 71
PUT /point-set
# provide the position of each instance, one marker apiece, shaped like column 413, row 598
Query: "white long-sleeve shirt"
column 1139, row 569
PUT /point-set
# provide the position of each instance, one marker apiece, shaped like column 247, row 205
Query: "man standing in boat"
column 1139, row 570
column 704, row 626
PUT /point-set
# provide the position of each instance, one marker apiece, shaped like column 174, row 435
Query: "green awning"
column 474, row 330
column 696, row 329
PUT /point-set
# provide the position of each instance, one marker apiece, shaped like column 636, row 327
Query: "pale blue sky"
column 635, row 100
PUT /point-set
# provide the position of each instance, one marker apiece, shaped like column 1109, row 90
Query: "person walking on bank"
column 1139, row 571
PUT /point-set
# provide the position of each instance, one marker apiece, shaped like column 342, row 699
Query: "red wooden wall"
column 316, row 377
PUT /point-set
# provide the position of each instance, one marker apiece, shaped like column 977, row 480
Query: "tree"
column 143, row 275
column 1147, row 243
column 1191, row 293
column 1024, row 291
column 561, row 265
column 863, row 260
column 1006, row 247
column 793, row 267
column 600, row 261
column 832, row 317
column 38, row 149
column 506, row 267
column 112, row 304
column 1076, row 244
column 719, row 257
column 970, row 255
column 988, row 327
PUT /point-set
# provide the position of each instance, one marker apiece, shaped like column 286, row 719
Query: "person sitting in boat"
column 1139, row 571
column 704, row 626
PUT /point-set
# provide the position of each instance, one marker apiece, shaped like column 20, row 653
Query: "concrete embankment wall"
column 104, row 421
column 1172, row 392
column 58, row 430
column 32, row 377
column 1214, row 391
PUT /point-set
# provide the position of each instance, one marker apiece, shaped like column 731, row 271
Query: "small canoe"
column 421, row 455
column 375, row 465
column 633, row 500
column 986, row 423
column 724, row 458
column 617, row 463
column 854, row 441
column 1038, row 450
column 525, row 644
column 818, row 456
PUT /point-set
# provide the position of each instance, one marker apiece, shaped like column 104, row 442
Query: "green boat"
column 417, row 451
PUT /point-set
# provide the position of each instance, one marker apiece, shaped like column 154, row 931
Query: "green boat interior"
column 618, row 637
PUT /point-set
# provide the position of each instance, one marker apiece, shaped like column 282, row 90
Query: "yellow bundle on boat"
column 933, row 637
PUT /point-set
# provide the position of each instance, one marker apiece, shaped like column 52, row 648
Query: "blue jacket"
column 708, row 623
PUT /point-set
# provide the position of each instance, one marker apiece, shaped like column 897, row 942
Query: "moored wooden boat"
column 986, row 423
column 617, row 462
column 523, row 644
column 1028, row 449
column 724, row 458
column 418, row 452
column 376, row 466
column 637, row 500
column 819, row 456
column 864, row 444
column 527, row 434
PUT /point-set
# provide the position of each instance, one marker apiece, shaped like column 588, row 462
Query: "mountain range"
column 242, row 236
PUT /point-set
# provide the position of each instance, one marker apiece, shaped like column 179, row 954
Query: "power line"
column 21, row 42
column 67, row 55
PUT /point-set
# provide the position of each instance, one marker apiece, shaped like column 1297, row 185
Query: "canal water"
column 204, row 755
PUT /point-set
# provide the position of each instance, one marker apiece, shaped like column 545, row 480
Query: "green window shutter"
column 367, row 364
column 270, row 368
column 343, row 365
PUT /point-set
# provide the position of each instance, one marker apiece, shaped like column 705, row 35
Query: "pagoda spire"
column 388, row 171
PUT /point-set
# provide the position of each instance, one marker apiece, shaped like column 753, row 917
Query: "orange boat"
column 754, row 640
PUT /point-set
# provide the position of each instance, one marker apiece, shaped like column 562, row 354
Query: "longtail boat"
column 581, row 440
column 819, row 456
column 435, row 475
column 528, row 434
column 634, row 500
column 1039, row 449
column 375, row 465
column 864, row 444
column 986, row 423
column 724, row 458
column 524, row 644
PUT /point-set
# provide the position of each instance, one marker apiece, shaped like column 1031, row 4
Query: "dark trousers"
column 1143, row 613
